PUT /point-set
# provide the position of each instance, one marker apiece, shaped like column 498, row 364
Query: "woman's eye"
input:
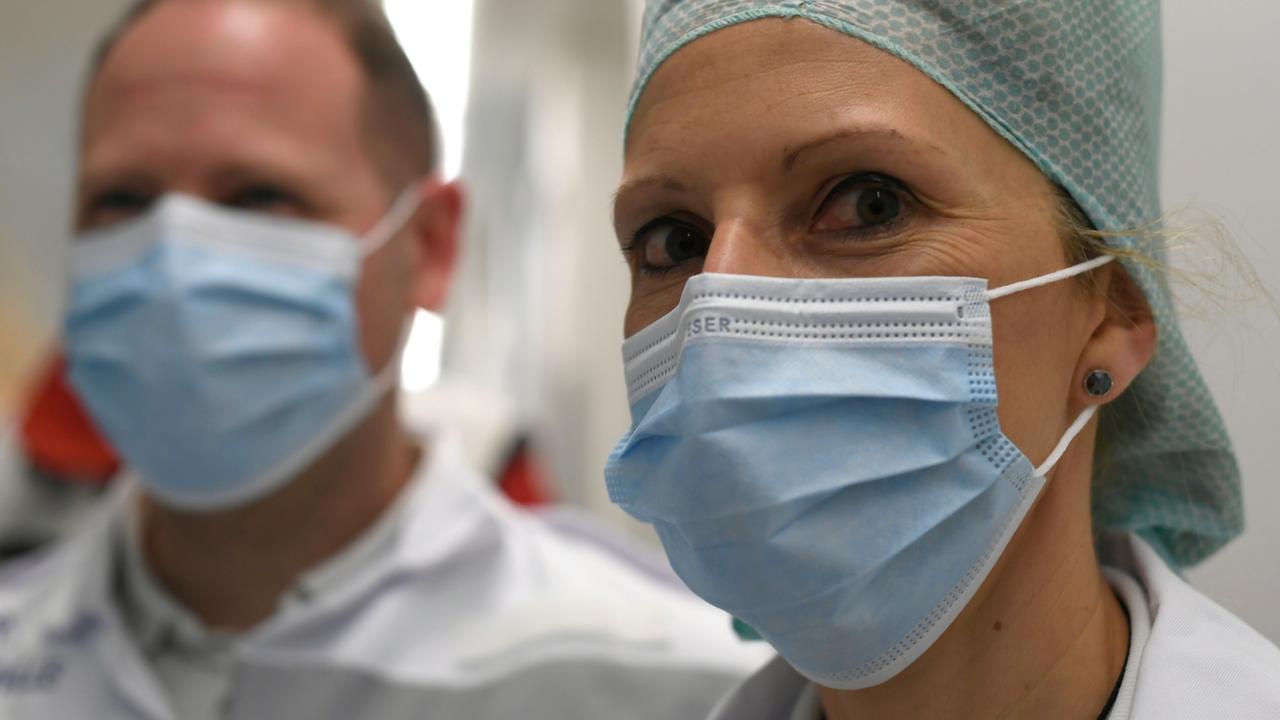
column 859, row 203
column 665, row 244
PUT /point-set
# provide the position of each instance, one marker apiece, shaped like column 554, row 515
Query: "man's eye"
column 665, row 243
column 264, row 198
column 113, row 206
column 860, row 202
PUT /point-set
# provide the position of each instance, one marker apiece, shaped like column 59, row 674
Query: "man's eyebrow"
column 882, row 134
column 95, row 180
column 238, row 170
column 664, row 182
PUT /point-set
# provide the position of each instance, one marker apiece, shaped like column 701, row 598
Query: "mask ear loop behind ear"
column 1041, row 281
column 1066, row 440
column 1049, row 279
column 401, row 212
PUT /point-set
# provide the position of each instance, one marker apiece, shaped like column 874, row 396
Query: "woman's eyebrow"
column 791, row 156
column 645, row 182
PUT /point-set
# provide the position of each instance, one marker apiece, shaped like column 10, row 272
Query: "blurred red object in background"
column 522, row 480
column 58, row 437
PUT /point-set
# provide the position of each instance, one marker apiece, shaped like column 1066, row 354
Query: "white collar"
column 1135, row 601
column 158, row 620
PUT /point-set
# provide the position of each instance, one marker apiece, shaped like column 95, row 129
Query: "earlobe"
column 1122, row 343
column 438, row 227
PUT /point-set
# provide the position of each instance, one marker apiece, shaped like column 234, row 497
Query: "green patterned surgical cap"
column 1075, row 85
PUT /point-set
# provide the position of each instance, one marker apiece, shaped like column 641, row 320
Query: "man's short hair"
column 399, row 120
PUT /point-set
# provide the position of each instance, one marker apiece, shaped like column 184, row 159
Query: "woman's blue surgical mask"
column 219, row 350
column 823, row 460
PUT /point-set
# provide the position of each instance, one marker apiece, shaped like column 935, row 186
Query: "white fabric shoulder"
column 1200, row 661
column 49, row 581
column 776, row 691
column 504, row 592
column 489, row 612
column 474, row 609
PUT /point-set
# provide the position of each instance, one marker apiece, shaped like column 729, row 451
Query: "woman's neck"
column 231, row 568
column 1043, row 637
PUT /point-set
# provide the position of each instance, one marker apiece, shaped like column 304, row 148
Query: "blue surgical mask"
column 219, row 350
column 822, row 459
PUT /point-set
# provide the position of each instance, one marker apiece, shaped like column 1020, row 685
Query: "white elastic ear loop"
column 388, row 378
column 402, row 210
column 1049, row 279
column 1065, row 442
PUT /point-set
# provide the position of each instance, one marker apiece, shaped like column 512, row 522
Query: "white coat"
column 474, row 610
column 1189, row 659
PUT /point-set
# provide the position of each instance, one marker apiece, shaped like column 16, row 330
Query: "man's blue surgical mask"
column 219, row 350
column 823, row 460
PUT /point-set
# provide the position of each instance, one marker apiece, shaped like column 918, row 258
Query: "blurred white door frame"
column 43, row 49
column 539, row 309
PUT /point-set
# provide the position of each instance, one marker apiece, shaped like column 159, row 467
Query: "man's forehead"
column 281, row 49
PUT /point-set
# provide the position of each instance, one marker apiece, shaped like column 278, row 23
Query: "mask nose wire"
column 402, row 210
column 1049, row 279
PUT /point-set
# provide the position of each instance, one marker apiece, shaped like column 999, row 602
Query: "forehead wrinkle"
column 791, row 156
column 121, row 97
column 171, row 110
column 134, row 89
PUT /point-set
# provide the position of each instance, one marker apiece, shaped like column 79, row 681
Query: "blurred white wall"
column 538, row 313
column 1221, row 155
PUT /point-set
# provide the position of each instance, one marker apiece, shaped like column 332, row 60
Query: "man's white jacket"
column 456, row 606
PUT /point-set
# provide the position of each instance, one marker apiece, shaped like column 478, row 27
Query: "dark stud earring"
column 1098, row 383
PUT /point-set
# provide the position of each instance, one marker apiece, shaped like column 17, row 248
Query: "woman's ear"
column 437, row 228
column 1124, row 340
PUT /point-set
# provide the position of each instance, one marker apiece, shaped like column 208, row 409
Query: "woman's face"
column 782, row 148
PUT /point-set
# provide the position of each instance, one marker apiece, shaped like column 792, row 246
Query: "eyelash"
column 868, row 181
column 119, row 197
column 631, row 246
column 261, row 193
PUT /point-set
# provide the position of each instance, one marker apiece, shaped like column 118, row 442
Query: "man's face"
column 251, row 105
